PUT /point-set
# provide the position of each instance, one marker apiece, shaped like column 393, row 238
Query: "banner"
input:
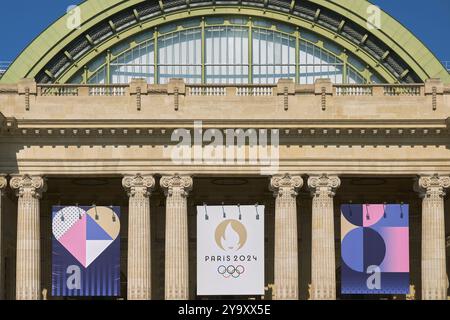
column 230, row 250
column 374, row 249
column 86, row 251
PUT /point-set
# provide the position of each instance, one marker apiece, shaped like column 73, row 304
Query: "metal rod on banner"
column 206, row 211
column 223, row 210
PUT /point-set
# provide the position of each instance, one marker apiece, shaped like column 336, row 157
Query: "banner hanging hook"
column 113, row 214
column 96, row 214
column 240, row 214
column 79, row 211
column 367, row 212
column 223, row 211
column 257, row 213
column 350, row 208
column 401, row 210
column 206, row 211
column 384, row 210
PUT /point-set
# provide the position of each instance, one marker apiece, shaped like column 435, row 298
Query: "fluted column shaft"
column 434, row 278
column 139, row 189
column 176, row 261
column 28, row 269
column 323, row 265
column 3, row 184
column 286, row 236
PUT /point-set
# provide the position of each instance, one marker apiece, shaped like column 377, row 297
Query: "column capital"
column 177, row 183
column 285, row 183
column 3, row 182
column 28, row 184
column 324, row 184
column 138, row 184
column 433, row 185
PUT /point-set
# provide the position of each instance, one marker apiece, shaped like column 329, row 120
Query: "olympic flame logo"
column 230, row 235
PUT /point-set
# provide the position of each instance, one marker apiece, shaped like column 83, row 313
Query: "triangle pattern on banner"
column 94, row 248
column 95, row 231
column 74, row 240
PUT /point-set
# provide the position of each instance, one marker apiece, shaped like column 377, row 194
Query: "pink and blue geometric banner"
column 86, row 251
column 374, row 249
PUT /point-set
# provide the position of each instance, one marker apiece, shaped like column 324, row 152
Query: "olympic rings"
column 230, row 271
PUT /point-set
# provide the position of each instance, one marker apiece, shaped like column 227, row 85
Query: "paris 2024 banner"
column 230, row 250
column 86, row 251
column 374, row 249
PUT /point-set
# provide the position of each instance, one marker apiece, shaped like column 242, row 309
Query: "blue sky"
column 22, row 20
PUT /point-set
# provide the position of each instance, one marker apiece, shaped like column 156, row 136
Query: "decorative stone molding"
column 176, row 188
column 323, row 274
column 138, row 87
column 324, row 185
column 3, row 182
column 434, row 277
column 139, row 279
column 324, row 88
column 138, row 185
column 285, row 184
column 28, row 270
column 434, row 185
column 285, row 189
column 176, row 87
column 28, row 185
column 27, row 87
column 285, row 87
column 176, row 184
column 434, row 88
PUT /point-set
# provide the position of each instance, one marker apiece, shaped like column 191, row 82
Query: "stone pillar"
column 323, row 265
column 28, row 262
column 3, row 184
column 139, row 279
column 434, row 277
column 286, row 237
column 176, row 261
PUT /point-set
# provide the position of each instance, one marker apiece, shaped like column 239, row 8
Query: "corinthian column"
column 323, row 265
column 28, row 275
column 177, row 264
column 3, row 184
column 434, row 278
column 286, row 253
column 139, row 188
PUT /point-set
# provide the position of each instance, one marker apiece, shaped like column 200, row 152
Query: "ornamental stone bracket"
column 27, row 88
column 285, row 88
column 434, row 88
column 138, row 87
column 324, row 89
column 176, row 88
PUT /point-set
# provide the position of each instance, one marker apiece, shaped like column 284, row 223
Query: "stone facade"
column 388, row 132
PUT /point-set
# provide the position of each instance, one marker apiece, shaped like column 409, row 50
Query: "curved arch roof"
column 58, row 53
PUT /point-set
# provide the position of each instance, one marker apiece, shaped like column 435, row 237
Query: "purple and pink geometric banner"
column 86, row 251
column 374, row 249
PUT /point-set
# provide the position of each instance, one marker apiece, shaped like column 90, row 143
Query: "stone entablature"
column 339, row 129
column 61, row 106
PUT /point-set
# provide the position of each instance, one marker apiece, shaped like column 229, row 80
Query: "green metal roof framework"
column 110, row 56
column 417, row 60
